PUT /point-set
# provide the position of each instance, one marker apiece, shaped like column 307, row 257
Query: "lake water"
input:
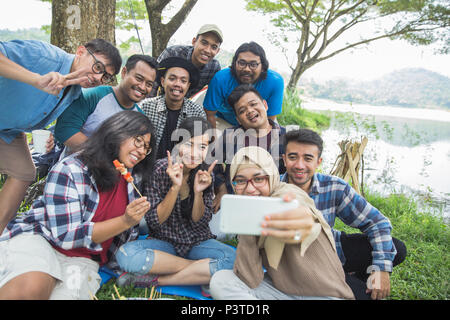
column 408, row 149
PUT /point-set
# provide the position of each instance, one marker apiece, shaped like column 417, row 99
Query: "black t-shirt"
column 166, row 143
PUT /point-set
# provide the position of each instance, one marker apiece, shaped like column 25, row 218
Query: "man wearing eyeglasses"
column 95, row 105
column 38, row 81
column 249, row 66
column 254, row 129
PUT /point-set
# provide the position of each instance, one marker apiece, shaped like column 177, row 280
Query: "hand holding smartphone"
column 244, row 214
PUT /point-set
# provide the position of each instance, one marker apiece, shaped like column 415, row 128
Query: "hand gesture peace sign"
column 54, row 82
column 174, row 171
column 203, row 178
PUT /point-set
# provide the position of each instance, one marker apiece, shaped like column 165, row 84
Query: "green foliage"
column 435, row 12
column 294, row 114
column 314, row 25
column 124, row 17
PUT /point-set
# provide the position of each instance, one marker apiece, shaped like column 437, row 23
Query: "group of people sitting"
column 183, row 158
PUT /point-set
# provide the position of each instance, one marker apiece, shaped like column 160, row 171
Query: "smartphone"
column 244, row 214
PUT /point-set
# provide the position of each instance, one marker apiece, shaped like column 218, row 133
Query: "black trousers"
column 358, row 254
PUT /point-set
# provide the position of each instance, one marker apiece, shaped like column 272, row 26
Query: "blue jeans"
column 138, row 256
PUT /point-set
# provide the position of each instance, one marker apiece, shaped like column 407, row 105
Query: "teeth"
column 133, row 157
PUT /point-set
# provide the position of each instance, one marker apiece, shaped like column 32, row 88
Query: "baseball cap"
column 211, row 28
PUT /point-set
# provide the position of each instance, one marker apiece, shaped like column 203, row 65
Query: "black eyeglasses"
column 99, row 68
column 257, row 182
column 139, row 143
column 243, row 64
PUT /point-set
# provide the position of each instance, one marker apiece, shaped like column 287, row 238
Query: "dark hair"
column 305, row 136
column 135, row 58
column 107, row 49
column 256, row 49
column 196, row 126
column 239, row 91
column 103, row 147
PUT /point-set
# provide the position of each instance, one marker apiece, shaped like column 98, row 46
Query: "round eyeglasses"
column 252, row 65
column 257, row 182
column 99, row 68
column 140, row 143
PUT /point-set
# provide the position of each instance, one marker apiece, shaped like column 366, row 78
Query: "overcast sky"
column 239, row 26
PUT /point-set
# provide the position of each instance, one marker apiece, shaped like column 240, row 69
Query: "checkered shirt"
column 206, row 73
column 155, row 109
column 63, row 214
column 181, row 232
column 336, row 198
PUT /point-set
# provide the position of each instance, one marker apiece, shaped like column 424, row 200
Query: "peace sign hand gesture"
column 54, row 82
column 203, row 178
column 174, row 171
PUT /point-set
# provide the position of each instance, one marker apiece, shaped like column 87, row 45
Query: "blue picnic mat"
column 194, row 292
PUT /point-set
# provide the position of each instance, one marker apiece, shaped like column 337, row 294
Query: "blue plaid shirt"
column 63, row 214
column 336, row 198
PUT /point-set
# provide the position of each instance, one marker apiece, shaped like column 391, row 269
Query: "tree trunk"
column 161, row 33
column 75, row 22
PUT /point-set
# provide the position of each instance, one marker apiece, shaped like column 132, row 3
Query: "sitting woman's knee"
column 133, row 259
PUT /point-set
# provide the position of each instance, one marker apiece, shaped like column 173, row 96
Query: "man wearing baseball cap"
column 175, row 76
column 205, row 46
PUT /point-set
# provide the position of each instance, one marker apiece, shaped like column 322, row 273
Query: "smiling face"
column 251, row 111
column 206, row 46
column 137, row 83
column 193, row 152
column 259, row 186
column 247, row 74
column 84, row 64
column 301, row 161
column 129, row 154
column 176, row 84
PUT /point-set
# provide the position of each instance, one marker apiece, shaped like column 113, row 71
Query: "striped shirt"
column 63, row 215
column 336, row 198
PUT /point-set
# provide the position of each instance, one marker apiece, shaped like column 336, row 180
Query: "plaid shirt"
column 206, row 73
column 236, row 138
column 181, row 232
column 63, row 214
column 336, row 198
column 155, row 109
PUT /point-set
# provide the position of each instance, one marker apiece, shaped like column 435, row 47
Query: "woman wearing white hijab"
column 298, row 251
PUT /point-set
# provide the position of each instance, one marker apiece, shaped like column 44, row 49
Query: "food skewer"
column 126, row 175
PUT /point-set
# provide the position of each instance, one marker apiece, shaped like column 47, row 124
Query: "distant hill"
column 412, row 87
column 24, row 34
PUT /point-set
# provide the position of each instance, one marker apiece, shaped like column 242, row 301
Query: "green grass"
column 425, row 273
column 294, row 114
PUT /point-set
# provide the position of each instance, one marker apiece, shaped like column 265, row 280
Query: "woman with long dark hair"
column 181, row 248
column 88, row 210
